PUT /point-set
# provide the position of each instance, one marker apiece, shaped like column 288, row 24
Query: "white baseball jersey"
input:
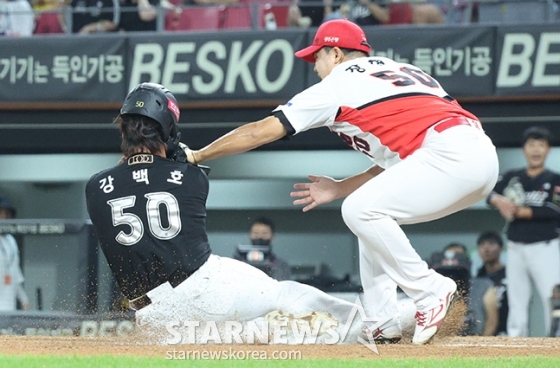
column 378, row 106
column 390, row 112
column 11, row 276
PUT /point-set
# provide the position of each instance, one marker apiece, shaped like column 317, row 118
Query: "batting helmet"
column 156, row 102
column 5, row 203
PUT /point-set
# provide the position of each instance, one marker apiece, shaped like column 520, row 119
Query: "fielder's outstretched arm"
column 324, row 189
column 242, row 139
column 352, row 183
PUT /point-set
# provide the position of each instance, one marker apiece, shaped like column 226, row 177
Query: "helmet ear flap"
column 174, row 131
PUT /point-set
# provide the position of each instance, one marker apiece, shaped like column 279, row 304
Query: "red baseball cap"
column 341, row 33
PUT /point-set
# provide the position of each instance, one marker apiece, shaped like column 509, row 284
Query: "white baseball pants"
column 451, row 171
column 539, row 262
column 225, row 289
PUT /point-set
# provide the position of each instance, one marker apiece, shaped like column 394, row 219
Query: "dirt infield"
column 445, row 344
column 439, row 348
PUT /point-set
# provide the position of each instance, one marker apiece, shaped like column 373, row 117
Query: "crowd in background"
column 37, row 17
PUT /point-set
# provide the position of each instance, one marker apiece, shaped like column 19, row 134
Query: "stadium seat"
column 237, row 17
column 280, row 13
column 400, row 13
column 194, row 18
column 48, row 23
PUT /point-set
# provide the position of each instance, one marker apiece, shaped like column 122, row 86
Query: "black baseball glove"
column 176, row 152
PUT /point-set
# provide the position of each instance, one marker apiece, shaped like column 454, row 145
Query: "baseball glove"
column 177, row 151
column 515, row 192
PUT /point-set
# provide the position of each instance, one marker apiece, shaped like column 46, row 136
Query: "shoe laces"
column 420, row 318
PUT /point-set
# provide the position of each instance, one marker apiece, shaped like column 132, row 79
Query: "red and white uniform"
column 436, row 157
column 378, row 106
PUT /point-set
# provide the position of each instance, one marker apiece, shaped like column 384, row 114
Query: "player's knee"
column 355, row 211
column 351, row 210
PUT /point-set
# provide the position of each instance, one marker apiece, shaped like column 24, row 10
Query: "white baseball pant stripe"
column 451, row 171
column 539, row 262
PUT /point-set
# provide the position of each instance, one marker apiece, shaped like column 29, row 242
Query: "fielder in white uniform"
column 431, row 159
column 149, row 215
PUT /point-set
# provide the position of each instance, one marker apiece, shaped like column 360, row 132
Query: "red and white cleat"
column 428, row 322
column 389, row 332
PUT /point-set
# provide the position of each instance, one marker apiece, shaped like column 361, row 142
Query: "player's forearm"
column 490, row 326
column 494, row 199
column 525, row 213
column 490, row 302
column 22, row 295
column 146, row 11
column 378, row 12
column 242, row 139
column 350, row 184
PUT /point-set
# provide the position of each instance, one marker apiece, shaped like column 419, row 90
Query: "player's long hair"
column 139, row 134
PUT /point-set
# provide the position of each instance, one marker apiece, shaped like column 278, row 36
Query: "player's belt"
column 144, row 300
column 451, row 122
column 140, row 302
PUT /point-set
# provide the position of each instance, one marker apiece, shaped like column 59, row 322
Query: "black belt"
column 139, row 303
column 144, row 300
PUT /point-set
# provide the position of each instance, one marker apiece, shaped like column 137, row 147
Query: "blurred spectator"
column 48, row 16
column 313, row 13
column 479, row 292
column 260, row 253
column 459, row 11
column 16, row 18
column 368, row 13
column 94, row 16
column 11, row 277
column 44, row 5
column 141, row 15
column 309, row 13
column 138, row 15
column 457, row 248
column 528, row 199
column 313, row 10
column 341, row 12
column 490, row 245
column 211, row 2
column 372, row 13
column 426, row 13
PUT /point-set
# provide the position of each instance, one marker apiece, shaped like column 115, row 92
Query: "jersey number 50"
column 404, row 80
column 155, row 224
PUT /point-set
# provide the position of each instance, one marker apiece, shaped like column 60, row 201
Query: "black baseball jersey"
column 149, row 214
column 499, row 280
column 542, row 194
